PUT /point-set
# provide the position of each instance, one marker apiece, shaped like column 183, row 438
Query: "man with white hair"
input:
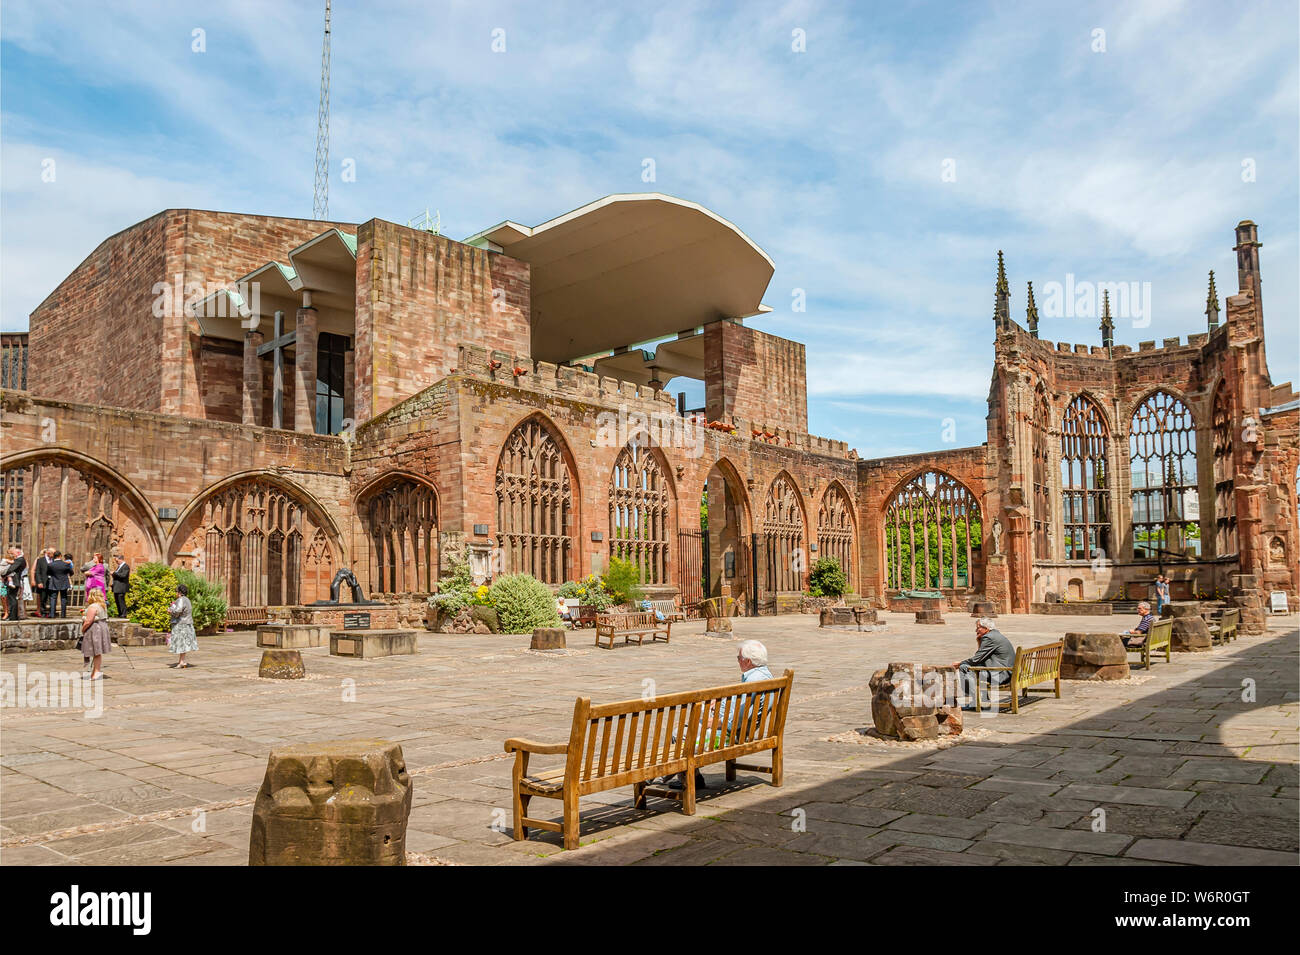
column 994, row 650
column 751, row 657
column 1138, row 635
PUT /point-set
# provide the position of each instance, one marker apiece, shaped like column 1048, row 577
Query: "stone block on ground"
column 1094, row 656
column 916, row 701
column 282, row 665
column 983, row 608
column 548, row 638
column 718, row 625
column 336, row 803
column 929, row 616
column 1190, row 635
column 369, row 644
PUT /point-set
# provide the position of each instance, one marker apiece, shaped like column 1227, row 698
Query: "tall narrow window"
column 1225, row 505
column 401, row 520
column 1162, row 460
column 535, row 504
column 1042, row 465
column 932, row 533
column 835, row 529
column 330, row 350
column 783, row 537
column 639, row 504
column 1085, row 490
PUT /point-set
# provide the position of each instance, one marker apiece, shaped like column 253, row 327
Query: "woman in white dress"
column 183, row 640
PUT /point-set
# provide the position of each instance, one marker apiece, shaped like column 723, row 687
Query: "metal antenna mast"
column 321, row 204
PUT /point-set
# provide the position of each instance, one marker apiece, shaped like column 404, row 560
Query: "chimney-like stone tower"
column 1247, row 249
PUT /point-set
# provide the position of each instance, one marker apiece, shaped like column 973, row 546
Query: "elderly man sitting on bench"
column 994, row 650
column 1138, row 635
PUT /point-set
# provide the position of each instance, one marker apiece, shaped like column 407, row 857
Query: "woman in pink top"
column 96, row 575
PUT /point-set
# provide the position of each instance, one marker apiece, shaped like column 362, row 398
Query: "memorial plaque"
column 356, row 621
column 346, row 646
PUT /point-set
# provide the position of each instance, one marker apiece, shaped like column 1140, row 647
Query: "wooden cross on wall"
column 276, row 347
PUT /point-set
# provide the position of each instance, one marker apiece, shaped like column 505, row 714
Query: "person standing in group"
column 1162, row 593
column 40, row 582
column 96, row 638
column 59, row 583
column 96, row 577
column 16, row 583
column 183, row 639
column 121, row 583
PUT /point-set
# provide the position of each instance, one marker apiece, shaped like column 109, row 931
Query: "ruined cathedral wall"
column 755, row 376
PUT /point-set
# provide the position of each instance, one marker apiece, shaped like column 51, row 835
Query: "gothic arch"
column 1165, row 494
column 933, row 533
column 398, row 513
column 785, row 535
column 538, row 501
column 1041, row 463
column 1175, row 393
column 1223, row 427
column 731, row 474
column 24, row 524
column 837, row 528
column 642, row 509
column 262, row 537
column 1085, row 466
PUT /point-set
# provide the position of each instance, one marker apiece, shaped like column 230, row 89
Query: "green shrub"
column 153, row 588
column 827, row 578
column 457, row 590
column 205, row 597
column 590, row 591
column 523, row 603
column 622, row 581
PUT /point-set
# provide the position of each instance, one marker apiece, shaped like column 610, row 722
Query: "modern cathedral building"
column 269, row 400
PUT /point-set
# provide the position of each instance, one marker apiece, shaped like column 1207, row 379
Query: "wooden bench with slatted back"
column 1160, row 636
column 640, row 624
column 1031, row 667
column 633, row 742
column 246, row 618
column 1224, row 628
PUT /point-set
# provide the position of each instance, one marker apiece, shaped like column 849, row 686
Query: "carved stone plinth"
column 292, row 636
column 339, row 803
column 1249, row 600
column 718, row 625
column 983, row 608
column 369, row 644
column 929, row 616
column 547, row 638
column 282, row 665
column 1094, row 656
column 865, row 615
column 913, row 701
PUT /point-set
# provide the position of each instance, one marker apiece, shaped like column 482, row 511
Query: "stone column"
column 304, row 372
column 252, row 401
column 349, row 384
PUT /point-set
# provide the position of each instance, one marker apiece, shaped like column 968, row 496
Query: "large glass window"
column 330, row 350
column 1162, row 459
column 1085, row 491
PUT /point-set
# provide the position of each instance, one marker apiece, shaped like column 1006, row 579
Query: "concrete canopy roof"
column 679, row 357
column 631, row 268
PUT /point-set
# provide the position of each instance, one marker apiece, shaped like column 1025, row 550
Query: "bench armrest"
column 988, row 669
column 532, row 746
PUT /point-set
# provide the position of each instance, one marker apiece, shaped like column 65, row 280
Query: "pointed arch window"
column 535, row 504
column 783, row 538
column 1165, row 496
column 1085, row 491
column 1225, row 506
column 932, row 533
column 401, row 521
column 639, row 507
column 835, row 529
column 1042, row 467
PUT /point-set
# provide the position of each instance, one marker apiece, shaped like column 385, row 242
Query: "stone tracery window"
column 1085, row 492
column 535, row 504
column 248, row 537
column 1042, row 467
column 1165, row 496
column 1225, row 505
column 932, row 529
column 783, row 537
column 639, row 507
column 401, row 522
column 835, row 529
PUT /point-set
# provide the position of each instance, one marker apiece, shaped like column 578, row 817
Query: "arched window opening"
column 933, row 534
column 535, row 504
column 1225, row 505
column 639, row 506
column 1042, row 465
column 783, row 538
column 835, row 529
column 1085, row 492
column 1165, row 496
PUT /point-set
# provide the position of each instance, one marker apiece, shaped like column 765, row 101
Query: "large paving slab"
column 1193, row 763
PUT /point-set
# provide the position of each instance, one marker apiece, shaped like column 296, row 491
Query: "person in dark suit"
column 40, row 582
column 993, row 650
column 121, row 583
column 60, row 582
column 14, row 581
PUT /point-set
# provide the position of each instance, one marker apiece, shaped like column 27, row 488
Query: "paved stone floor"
column 1194, row 763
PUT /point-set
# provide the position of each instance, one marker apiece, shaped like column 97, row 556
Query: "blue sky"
column 1115, row 165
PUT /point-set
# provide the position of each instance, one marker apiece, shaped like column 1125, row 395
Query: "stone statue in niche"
column 343, row 576
column 1277, row 552
column 997, row 537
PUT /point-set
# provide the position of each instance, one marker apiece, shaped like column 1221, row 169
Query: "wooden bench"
column 1224, row 628
column 672, row 613
column 1159, row 636
column 633, row 742
column 629, row 625
column 246, row 618
column 580, row 615
column 1031, row 667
